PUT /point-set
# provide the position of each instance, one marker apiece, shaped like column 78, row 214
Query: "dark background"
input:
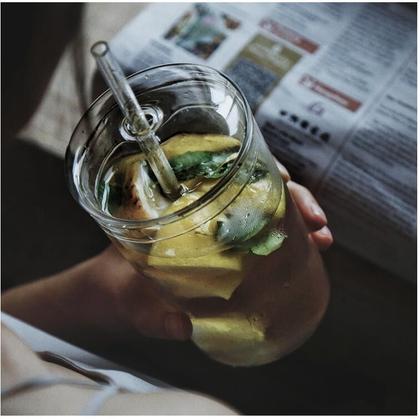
column 362, row 360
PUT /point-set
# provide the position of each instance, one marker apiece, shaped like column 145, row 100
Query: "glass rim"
column 194, row 206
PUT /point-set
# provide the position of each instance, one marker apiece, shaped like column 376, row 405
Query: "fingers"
column 141, row 307
column 283, row 171
column 153, row 316
column 313, row 215
column 322, row 238
column 177, row 326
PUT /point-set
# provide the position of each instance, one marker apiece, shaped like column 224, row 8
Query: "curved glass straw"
column 139, row 127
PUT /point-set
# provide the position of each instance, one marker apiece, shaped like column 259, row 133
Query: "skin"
column 109, row 281
column 91, row 286
column 102, row 298
column 113, row 302
column 65, row 399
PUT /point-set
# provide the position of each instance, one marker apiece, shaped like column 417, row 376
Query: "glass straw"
column 139, row 126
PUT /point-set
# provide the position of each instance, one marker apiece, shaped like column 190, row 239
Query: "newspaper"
column 333, row 88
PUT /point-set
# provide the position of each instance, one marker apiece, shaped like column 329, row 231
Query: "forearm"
column 66, row 304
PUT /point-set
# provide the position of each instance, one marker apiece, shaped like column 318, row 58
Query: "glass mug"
column 233, row 252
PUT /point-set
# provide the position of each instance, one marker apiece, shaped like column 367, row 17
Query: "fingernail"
column 317, row 211
column 285, row 175
column 178, row 326
column 325, row 231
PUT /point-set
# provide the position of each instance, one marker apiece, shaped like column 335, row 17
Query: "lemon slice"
column 199, row 283
column 230, row 339
column 178, row 265
column 181, row 143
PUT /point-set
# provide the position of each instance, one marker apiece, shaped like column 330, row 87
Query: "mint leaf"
column 208, row 164
column 269, row 243
column 240, row 226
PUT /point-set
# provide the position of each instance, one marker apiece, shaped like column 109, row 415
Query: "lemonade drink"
column 210, row 264
column 233, row 251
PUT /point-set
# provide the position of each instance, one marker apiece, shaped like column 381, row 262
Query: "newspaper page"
column 333, row 89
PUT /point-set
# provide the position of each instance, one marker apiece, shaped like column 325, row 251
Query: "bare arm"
column 20, row 363
column 101, row 298
column 105, row 298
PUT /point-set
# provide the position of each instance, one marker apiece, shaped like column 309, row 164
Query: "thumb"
column 152, row 315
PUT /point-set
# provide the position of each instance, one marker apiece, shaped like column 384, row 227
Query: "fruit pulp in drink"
column 232, row 264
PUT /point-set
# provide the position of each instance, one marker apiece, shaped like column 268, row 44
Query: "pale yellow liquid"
column 238, row 301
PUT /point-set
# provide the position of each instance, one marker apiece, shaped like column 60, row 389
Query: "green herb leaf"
column 240, row 226
column 206, row 164
column 210, row 165
column 269, row 243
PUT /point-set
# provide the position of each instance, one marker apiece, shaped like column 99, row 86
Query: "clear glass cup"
column 234, row 254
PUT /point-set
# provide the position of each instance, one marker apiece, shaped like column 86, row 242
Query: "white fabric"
column 79, row 359
column 44, row 381
column 105, row 391
column 95, row 404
